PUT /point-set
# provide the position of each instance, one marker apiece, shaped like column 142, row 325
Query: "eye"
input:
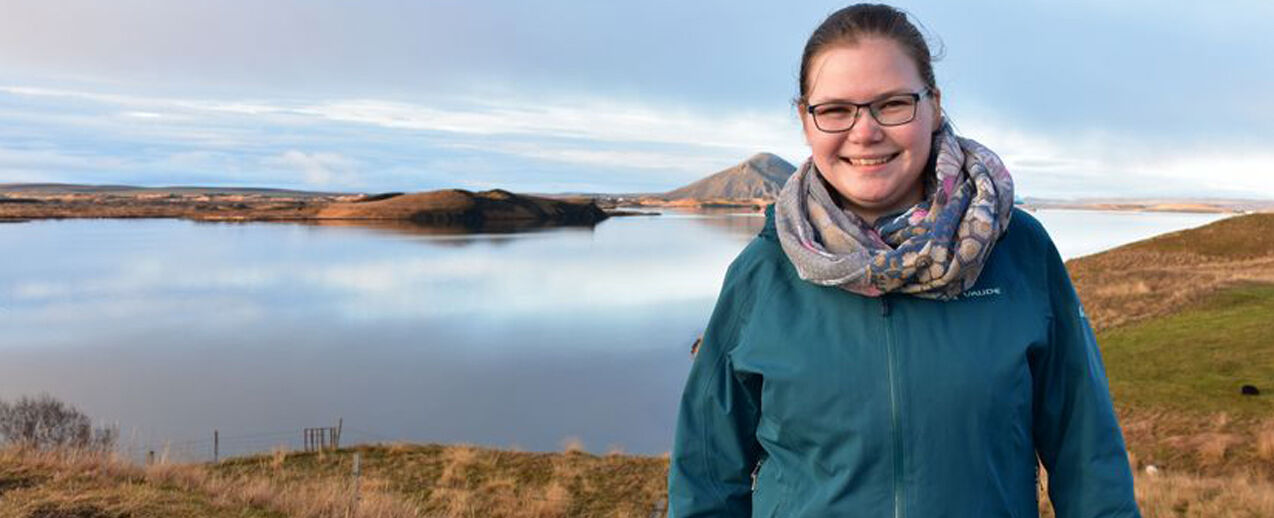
column 833, row 111
column 895, row 103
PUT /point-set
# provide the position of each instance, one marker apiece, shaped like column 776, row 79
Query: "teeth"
column 870, row 161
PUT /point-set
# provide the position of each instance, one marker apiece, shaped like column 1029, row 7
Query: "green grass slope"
column 1176, row 380
column 1196, row 360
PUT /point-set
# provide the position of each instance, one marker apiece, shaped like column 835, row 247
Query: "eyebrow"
column 881, row 97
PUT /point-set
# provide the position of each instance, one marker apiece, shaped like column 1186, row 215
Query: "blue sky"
column 1081, row 98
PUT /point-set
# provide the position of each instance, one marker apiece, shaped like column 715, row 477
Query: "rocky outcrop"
column 494, row 208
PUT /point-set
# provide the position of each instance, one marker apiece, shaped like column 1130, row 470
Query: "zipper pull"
column 884, row 306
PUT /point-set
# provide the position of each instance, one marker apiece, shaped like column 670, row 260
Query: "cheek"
column 918, row 142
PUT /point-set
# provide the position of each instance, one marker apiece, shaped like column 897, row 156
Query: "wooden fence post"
column 336, row 441
column 353, row 505
column 216, row 446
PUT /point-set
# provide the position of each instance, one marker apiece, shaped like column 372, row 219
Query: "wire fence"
column 219, row 445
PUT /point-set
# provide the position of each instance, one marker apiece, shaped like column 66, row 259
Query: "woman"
column 898, row 340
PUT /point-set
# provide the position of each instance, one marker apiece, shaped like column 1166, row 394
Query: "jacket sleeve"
column 1076, row 433
column 715, row 450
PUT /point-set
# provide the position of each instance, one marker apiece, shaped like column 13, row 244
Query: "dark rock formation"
column 495, row 208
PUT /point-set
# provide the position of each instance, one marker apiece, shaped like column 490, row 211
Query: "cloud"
column 1118, row 163
column 577, row 152
column 31, row 159
column 323, row 169
column 593, row 133
column 598, row 121
column 188, row 161
column 595, row 120
column 551, row 143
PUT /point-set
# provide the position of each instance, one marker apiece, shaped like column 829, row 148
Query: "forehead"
column 861, row 72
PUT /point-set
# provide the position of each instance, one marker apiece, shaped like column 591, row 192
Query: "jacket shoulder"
column 1022, row 222
column 764, row 251
column 760, row 264
column 1027, row 235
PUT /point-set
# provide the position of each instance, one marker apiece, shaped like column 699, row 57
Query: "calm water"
column 173, row 329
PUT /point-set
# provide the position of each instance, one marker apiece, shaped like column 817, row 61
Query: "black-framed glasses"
column 840, row 116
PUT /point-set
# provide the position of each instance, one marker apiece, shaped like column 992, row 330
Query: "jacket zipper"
column 893, row 406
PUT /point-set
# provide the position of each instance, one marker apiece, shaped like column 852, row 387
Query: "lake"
column 173, row 329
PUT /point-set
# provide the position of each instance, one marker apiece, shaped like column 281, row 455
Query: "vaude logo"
column 984, row 292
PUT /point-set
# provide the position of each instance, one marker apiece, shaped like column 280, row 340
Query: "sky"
column 1080, row 98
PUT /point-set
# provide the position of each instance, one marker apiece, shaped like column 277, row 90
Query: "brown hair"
column 848, row 25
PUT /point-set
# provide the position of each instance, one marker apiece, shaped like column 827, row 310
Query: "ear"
column 936, row 97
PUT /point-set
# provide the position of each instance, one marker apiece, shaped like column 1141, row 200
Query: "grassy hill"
column 1184, row 321
column 1175, row 271
column 1176, row 382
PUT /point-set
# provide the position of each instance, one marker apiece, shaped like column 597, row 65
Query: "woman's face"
column 851, row 161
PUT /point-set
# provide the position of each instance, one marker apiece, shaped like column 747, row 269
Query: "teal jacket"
column 896, row 406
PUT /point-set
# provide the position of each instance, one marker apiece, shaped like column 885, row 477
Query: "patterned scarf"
column 935, row 249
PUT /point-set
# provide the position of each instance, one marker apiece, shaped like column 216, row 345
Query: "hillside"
column 1184, row 322
column 759, row 177
column 1166, row 273
column 460, row 207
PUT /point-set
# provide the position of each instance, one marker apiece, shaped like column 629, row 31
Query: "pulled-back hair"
column 851, row 24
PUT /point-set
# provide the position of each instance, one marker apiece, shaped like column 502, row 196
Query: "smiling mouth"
column 870, row 161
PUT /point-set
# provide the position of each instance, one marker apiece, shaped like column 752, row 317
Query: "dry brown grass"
column 1212, row 445
column 1164, row 274
column 1188, row 495
column 315, row 498
column 1166, row 494
column 278, row 456
column 84, row 484
column 1265, row 441
column 573, row 445
column 113, row 487
column 466, row 482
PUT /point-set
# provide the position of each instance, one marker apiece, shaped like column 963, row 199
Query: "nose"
column 865, row 129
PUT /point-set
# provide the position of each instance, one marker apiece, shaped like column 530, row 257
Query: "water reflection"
column 174, row 328
column 462, row 233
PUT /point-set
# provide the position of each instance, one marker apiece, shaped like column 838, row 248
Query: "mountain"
column 761, row 176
